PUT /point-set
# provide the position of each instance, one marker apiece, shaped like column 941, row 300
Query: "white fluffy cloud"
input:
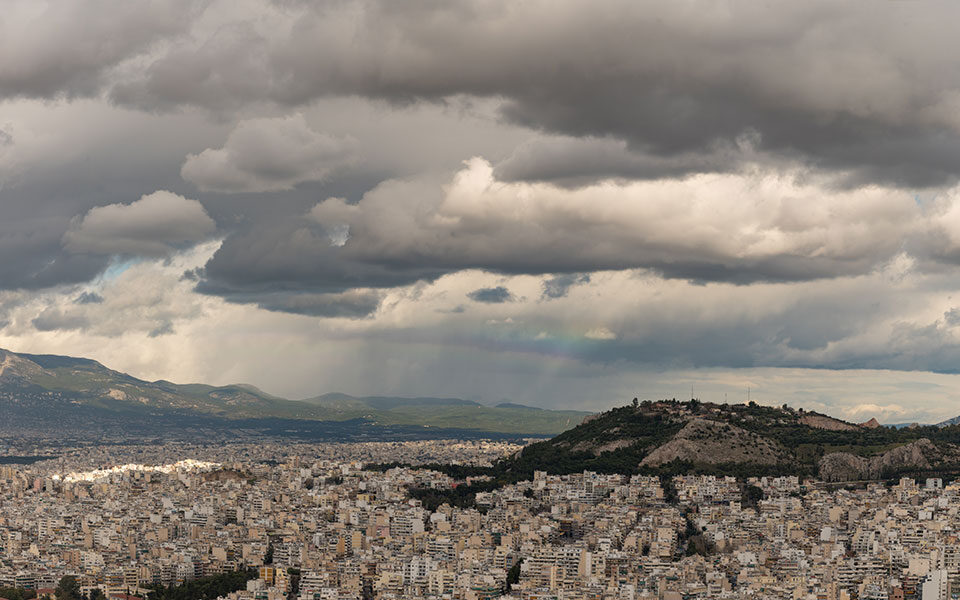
column 152, row 226
column 268, row 155
column 763, row 225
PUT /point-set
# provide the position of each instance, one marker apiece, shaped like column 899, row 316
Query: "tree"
column 636, row 403
column 268, row 559
column 513, row 575
column 751, row 496
column 68, row 588
column 97, row 594
column 294, row 574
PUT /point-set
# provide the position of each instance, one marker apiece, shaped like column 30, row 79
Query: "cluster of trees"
column 455, row 471
column 750, row 496
column 692, row 540
column 204, row 588
column 68, row 588
column 462, row 496
column 17, row 593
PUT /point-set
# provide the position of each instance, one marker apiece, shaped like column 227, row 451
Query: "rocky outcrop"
column 713, row 442
column 843, row 466
column 14, row 368
column 613, row 446
column 825, row 422
column 871, row 424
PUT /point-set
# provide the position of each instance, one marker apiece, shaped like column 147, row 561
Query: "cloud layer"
column 425, row 196
column 868, row 91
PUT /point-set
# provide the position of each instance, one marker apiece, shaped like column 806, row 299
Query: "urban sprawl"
column 316, row 526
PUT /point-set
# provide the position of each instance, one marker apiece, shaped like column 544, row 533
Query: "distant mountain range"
column 38, row 388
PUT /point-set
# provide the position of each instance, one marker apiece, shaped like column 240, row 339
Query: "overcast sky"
column 564, row 204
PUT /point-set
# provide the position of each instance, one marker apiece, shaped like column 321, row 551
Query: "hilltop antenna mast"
column 748, row 394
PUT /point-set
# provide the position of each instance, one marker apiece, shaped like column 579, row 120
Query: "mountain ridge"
column 29, row 383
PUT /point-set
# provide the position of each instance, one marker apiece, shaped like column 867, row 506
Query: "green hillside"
column 668, row 438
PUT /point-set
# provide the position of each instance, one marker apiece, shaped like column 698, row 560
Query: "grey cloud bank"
column 842, row 86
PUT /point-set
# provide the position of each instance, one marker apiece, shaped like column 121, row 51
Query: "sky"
column 564, row 204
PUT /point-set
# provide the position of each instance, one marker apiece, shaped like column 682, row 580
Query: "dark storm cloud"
column 494, row 295
column 161, row 330
column 615, row 89
column 263, row 155
column 349, row 305
column 848, row 86
column 559, row 285
column 407, row 231
column 192, row 274
column 952, row 317
column 577, row 161
column 52, row 49
column 53, row 319
column 88, row 298
column 33, row 257
column 68, row 158
column 292, row 257
column 622, row 89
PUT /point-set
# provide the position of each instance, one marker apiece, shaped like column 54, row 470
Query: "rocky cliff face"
column 713, row 442
column 825, row 422
column 15, row 369
column 843, row 466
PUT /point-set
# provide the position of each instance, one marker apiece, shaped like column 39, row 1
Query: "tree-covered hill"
column 731, row 439
column 671, row 438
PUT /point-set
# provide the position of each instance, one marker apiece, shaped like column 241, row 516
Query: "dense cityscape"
column 308, row 521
